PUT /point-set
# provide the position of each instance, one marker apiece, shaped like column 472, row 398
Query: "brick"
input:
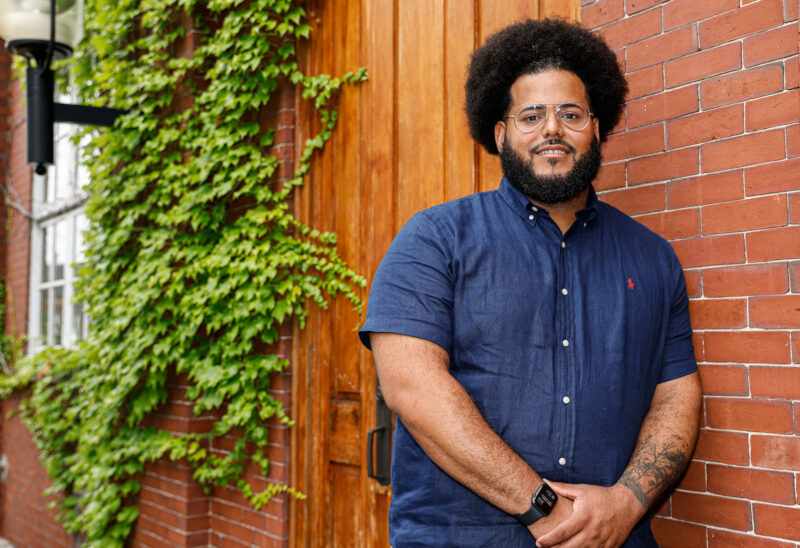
column 747, row 347
column 775, row 312
column 740, row 86
column 773, row 244
column 726, row 539
column 706, row 189
column 749, row 19
column 749, row 415
column 744, row 280
column 683, row 12
column 777, row 521
column 776, row 452
column 776, row 110
column 725, row 380
column 712, row 510
column 661, row 48
column 692, row 278
column 694, row 478
column 706, row 126
column 711, row 250
column 724, row 447
column 794, row 208
column 634, row 143
column 755, row 148
column 635, row 6
column 791, row 71
column 750, row 214
column 645, row 81
column 631, row 29
column 602, row 13
column 770, row 45
column 666, row 165
column 793, row 140
column 664, row 106
column 610, row 176
column 768, row 178
column 791, row 9
column 752, row 484
column 717, row 313
column 796, row 348
column 637, row 199
column 703, row 64
column 670, row 533
column 775, row 382
column 673, row 225
column 794, row 277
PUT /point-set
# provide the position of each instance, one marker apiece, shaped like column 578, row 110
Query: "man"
column 534, row 332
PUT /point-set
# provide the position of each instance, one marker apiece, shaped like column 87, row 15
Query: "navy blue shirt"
column 560, row 340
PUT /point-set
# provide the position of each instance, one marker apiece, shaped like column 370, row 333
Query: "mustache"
column 551, row 142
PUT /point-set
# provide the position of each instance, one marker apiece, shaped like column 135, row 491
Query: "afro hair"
column 530, row 47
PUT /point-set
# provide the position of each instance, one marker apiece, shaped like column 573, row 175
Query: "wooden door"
column 401, row 145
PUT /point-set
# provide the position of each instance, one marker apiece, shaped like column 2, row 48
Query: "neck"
column 563, row 213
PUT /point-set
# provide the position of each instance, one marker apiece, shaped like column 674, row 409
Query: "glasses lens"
column 531, row 117
column 573, row 116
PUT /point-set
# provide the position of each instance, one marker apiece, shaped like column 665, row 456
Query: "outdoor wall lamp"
column 43, row 30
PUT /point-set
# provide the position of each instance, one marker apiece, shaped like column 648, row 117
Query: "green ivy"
column 194, row 260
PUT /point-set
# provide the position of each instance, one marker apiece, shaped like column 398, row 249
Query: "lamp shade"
column 29, row 20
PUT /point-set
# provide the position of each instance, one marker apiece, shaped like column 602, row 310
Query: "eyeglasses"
column 531, row 117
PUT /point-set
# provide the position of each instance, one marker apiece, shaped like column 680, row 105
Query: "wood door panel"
column 345, row 438
column 402, row 145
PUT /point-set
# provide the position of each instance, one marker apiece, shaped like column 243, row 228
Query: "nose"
column 552, row 126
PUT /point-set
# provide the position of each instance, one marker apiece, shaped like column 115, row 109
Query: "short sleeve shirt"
column 559, row 339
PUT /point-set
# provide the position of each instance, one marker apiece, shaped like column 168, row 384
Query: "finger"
column 568, row 490
column 565, row 530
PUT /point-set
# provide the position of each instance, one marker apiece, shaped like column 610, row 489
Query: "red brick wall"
column 708, row 155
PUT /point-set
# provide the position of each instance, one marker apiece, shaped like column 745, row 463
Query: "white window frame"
column 67, row 210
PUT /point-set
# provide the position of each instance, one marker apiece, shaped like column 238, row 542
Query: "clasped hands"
column 588, row 516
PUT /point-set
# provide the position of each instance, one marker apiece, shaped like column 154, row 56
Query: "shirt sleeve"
column 412, row 292
column 679, row 357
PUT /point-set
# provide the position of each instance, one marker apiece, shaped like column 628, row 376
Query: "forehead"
column 548, row 86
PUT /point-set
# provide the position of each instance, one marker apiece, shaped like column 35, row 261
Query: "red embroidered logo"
column 630, row 284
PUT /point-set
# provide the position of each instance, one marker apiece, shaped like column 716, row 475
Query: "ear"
column 596, row 126
column 500, row 134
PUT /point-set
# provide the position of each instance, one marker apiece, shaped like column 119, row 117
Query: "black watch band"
column 542, row 503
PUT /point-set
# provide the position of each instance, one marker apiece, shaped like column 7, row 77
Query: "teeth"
column 561, row 152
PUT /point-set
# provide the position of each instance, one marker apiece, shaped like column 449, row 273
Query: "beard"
column 551, row 189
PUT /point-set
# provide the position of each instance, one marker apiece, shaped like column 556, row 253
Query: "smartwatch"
column 542, row 503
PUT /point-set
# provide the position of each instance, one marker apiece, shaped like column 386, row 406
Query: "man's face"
column 552, row 163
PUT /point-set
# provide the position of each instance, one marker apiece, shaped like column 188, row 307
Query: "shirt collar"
column 522, row 205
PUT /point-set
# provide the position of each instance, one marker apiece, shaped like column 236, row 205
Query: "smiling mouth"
column 554, row 149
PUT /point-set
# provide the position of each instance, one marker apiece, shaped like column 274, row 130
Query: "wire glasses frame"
column 530, row 117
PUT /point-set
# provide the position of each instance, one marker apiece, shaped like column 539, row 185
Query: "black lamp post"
column 40, row 31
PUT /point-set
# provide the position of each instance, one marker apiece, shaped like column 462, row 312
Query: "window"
column 57, row 247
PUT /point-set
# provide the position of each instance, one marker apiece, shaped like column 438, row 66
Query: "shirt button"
column 565, row 343
column 564, row 291
column 584, row 225
column 565, row 399
column 563, row 245
column 530, row 217
column 562, row 461
column 534, row 208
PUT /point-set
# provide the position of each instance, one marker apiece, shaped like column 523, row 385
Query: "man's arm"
column 434, row 407
column 605, row 516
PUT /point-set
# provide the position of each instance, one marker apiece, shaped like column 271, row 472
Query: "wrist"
column 630, row 500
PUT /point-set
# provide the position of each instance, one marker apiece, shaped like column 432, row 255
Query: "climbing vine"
column 193, row 258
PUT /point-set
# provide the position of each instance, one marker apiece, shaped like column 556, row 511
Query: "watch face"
column 544, row 499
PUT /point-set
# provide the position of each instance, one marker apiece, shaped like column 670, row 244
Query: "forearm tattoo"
column 655, row 467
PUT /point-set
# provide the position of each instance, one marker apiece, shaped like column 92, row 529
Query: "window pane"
column 62, row 237
column 78, row 323
column 45, row 318
column 47, row 253
column 81, row 225
column 58, row 314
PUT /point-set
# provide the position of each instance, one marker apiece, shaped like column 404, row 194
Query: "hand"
column 561, row 511
column 602, row 517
